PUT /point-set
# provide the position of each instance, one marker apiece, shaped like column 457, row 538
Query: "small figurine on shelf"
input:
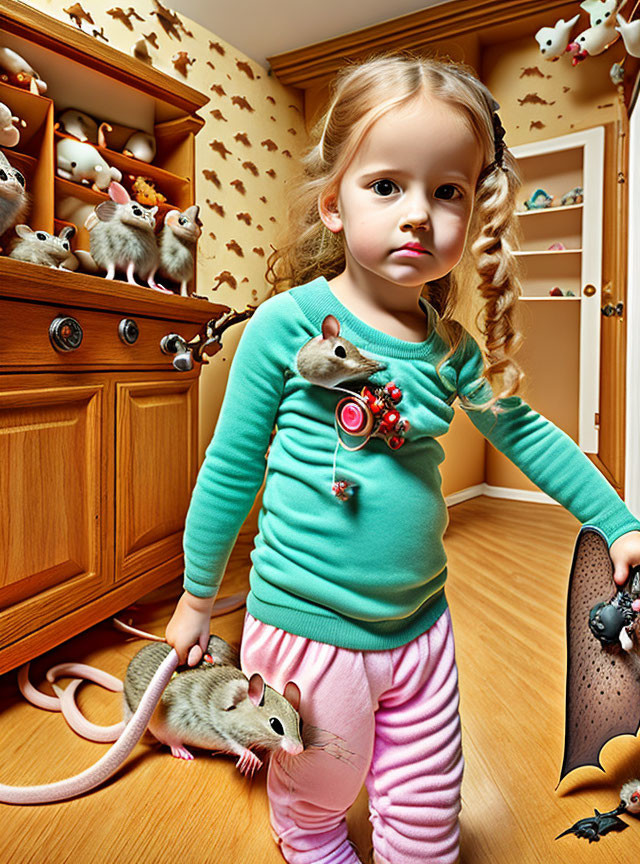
column 539, row 200
column 177, row 244
column 630, row 31
column 557, row 246
column 79, row 125
column 573, row 196
column 597, row 38
column 81, row 163
column 40, row 247
column 122, row 237
column 145, row 192
column 141, row 146
column 553, row 41
column 13, row 196
column 9, row 132
column 18, row 72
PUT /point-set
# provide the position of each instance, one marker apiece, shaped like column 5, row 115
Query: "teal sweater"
column 368, row 572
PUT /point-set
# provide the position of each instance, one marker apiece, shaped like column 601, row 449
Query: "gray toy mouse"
column 177, row 245
column 214, row 706
column 122, row 237
column 13, row 196
column 329, row 359
column 211, row 705
column 40, row 247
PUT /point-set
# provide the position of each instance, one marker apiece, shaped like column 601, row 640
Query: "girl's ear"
column 328, row 211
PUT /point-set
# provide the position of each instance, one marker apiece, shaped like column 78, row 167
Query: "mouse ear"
column 330, row 327
column 292, row 694
column 118, row 193
column 256, row 689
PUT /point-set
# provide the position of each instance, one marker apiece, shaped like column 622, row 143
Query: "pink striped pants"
column 388, row 719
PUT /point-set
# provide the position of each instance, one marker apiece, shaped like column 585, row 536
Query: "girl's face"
column 412, row 180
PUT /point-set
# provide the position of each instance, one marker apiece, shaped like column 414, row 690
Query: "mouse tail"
column 112, row 759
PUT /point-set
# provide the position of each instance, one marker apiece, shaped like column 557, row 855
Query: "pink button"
column 352, row 417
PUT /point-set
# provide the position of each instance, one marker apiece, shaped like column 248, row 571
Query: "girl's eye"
column 386, row 186
column 447, row 192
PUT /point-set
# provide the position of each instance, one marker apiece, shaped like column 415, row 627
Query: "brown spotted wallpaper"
column 254, row 130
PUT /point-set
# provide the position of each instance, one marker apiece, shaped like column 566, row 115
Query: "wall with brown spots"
column 541, row 99
column 247, row 149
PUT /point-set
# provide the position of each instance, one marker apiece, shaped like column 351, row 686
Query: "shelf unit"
column 558, row 165
column 99, row 442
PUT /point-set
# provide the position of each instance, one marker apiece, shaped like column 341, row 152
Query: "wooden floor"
column 508, row 568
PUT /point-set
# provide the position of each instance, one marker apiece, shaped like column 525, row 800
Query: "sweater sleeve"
column 234, row 464
column 546, row 454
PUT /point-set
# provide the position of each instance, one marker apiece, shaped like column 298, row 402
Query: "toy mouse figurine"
column 177, row 245
column 19, row 73
column 122, row 237
column 141, row 146
column 9, row 133
column 211, row 705
column 81, row 163
column 13, row 196
column 40, row 247
column 616, row 622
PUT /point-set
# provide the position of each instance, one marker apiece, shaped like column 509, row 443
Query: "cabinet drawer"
column 28, row 345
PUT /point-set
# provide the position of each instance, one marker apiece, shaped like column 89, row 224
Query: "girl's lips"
column 412, row 252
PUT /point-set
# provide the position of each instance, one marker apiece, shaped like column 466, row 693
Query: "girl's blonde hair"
column 361, row 94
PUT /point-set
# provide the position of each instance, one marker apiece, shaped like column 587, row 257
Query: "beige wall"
column 268, row 118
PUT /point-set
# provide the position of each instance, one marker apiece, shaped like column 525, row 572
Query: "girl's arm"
column 545, row 453
column 234, row 464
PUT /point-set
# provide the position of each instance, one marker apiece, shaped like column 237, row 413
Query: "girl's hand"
column 625, row 553
column 189, row 628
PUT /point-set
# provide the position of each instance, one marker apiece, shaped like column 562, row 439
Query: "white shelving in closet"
column 558, row 165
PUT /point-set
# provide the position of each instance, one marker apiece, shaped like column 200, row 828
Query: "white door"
column 563, row 163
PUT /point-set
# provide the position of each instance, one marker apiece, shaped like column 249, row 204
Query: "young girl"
column 407, row 184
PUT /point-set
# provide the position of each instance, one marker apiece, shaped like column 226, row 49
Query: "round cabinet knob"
column 65, row 333
column 128, row 331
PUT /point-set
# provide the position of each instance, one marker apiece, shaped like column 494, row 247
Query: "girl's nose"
column 417, row 216
column 416, row 220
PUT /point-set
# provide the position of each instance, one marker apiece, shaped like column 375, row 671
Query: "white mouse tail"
column 64, row 700
column 112, row 759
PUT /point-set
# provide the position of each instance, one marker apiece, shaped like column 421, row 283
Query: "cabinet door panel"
column 156, row 464
column 52, row 500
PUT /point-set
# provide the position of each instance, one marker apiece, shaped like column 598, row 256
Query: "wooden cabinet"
column 99, row 452
column 572, row 336
column 98, row 424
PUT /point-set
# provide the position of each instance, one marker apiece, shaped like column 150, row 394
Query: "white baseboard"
column 537, row 497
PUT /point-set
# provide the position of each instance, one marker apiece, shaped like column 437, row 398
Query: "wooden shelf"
column 36, row 284
column 555, row 299
column 560, row 209
column 526, row 252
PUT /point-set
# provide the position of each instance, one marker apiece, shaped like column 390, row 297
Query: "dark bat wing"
column 603, row 691
column 594, row 827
